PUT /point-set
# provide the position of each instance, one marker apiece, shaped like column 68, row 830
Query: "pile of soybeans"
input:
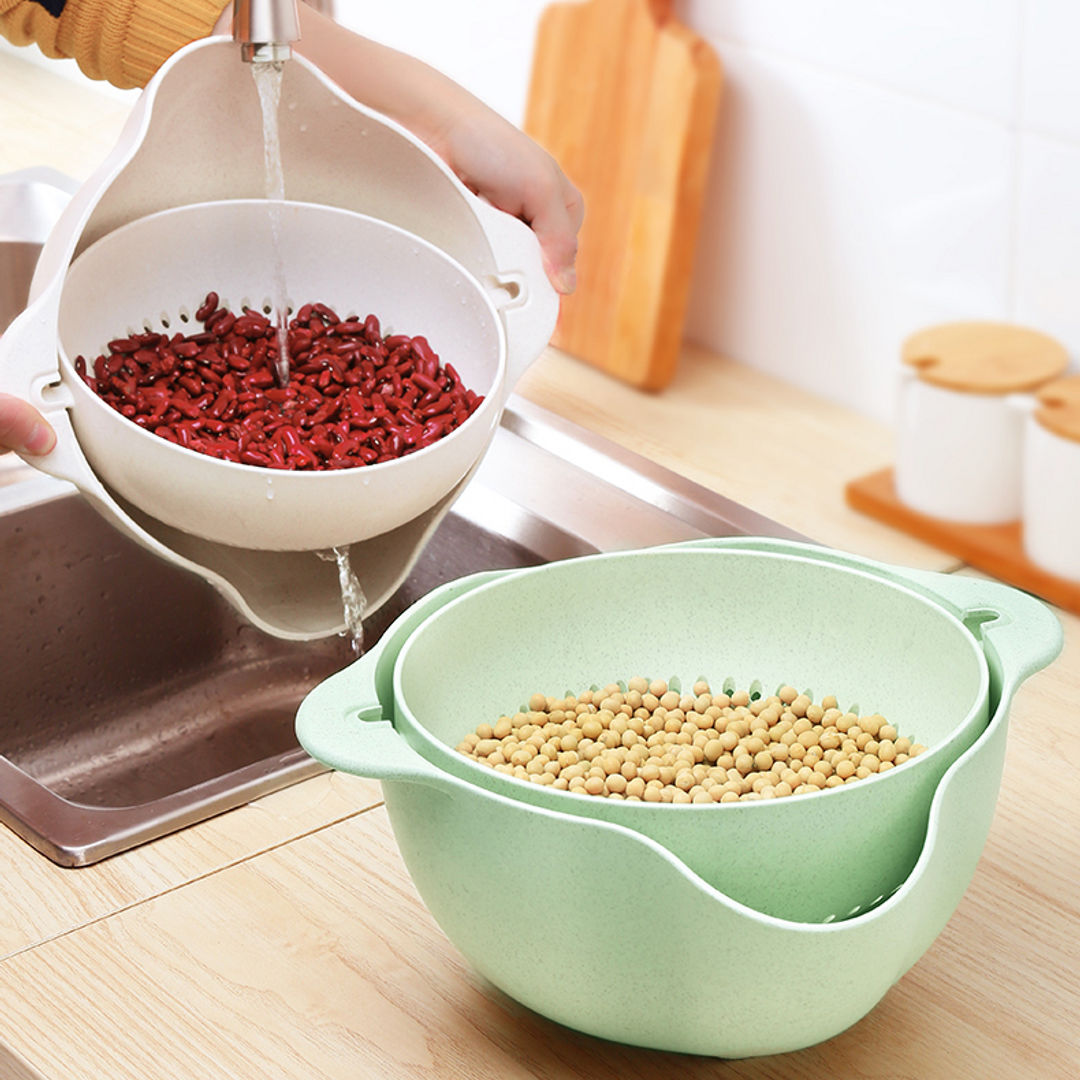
column 644, row 740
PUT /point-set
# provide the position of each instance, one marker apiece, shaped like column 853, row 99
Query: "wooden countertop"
column 285, row 940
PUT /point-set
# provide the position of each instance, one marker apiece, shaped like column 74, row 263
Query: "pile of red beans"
column 353, row 397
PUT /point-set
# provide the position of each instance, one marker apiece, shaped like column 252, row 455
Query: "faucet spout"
column 265, row 29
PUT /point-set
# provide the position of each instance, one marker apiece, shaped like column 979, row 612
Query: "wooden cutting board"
column 626, row 99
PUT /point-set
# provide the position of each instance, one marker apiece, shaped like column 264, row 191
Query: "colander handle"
column 520, row 289
column 30, row 369
column 1021, row 633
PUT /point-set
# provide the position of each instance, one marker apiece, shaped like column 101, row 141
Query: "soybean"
column 644, row 741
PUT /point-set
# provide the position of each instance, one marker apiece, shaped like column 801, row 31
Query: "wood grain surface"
column 997, row 549
column 40, row 900
column 625, row 97
column 747, row 435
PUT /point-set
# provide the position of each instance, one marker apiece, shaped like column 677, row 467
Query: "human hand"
column 23, row 428
column 490, row 155
column 499, row 162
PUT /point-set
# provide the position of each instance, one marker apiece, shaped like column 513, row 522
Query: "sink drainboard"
column 136, row 701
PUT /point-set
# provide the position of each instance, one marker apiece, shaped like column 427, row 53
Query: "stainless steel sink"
column 135, row 701
column 30, row 202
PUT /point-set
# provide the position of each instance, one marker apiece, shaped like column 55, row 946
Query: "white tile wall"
column 958, row 52
column 484, row 45
column 841, row 216
column 939, row 145
column 1050, row 82
column 1048, row 247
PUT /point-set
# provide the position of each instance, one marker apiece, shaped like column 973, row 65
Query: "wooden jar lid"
column 984, row 357
column 1059, row 407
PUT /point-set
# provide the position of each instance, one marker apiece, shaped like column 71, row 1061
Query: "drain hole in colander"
column 861, row 909
column 756, row 689
column 267, row 307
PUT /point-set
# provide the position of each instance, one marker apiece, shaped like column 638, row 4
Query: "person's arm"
column 125, row 41
column 490, row 155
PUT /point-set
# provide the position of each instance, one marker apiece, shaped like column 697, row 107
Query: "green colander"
column 841, row 890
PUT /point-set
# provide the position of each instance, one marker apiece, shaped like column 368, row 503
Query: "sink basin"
column 136, row 701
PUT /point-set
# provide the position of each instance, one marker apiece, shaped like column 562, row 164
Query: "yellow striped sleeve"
column 122, row 41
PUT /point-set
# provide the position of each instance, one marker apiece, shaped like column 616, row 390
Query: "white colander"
column 374, row 223
column 353, row 263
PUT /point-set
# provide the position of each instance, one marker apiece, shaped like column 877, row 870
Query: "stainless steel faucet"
column 265, row 29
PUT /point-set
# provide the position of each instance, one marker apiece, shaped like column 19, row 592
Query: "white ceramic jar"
column 959, row 439
column 1051, row 479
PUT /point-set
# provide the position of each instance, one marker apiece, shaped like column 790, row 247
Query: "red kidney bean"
column 209, row 306
column 221, row 323
column 353, row 398
column 223, row 400
column 251, row 326
column 349, row 326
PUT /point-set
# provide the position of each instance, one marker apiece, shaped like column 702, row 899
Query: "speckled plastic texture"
column 842, row 891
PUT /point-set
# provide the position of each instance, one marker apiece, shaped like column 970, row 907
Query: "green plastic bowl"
column 722, row 613
column 841, row 890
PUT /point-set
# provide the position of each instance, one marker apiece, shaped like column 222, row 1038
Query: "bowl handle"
column 360, row 742
column 520, row 289
column 1021, row 633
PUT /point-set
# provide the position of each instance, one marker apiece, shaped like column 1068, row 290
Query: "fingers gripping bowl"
column 854, row 881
